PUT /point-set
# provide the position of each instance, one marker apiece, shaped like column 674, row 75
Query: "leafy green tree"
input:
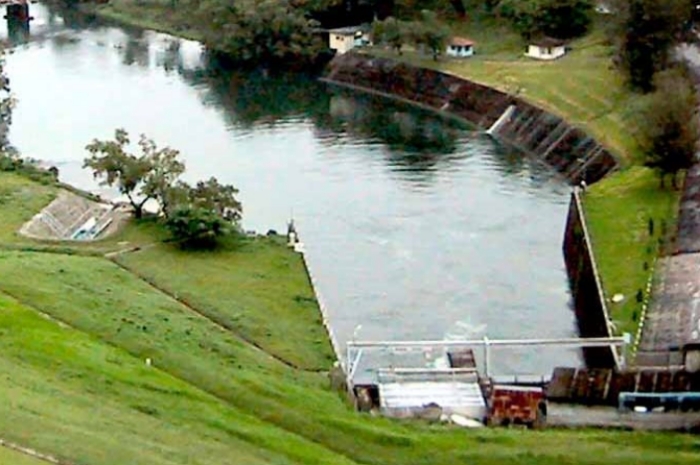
column 562, row 19
column 646, row 32
column 196, row 227
column 669, row 125
column 432, row 33
column 166, row 168
column 219, row 198
column 392, row 32
column 268, row 31
column 139, row 177
column 127, row 172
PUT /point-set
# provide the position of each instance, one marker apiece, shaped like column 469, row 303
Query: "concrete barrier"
column 586, row 287
column 299, row 248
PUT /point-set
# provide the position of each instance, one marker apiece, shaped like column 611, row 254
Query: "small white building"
column 546, row 49
column 460, row 47
column 345, row 39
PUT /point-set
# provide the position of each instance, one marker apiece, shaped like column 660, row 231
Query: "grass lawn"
column 259, row 290
column 11, row 457
column 618, row 212
column 89, row 402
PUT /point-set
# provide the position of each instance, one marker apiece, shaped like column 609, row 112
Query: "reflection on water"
column 416, row 228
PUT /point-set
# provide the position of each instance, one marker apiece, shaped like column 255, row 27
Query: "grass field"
column 233, row 288
column 625, row 251
column 84, row 392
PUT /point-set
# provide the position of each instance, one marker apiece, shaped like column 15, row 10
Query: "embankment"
column 508, row 118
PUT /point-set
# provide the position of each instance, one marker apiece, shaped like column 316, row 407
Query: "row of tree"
column 196, row 216
column 647, row 34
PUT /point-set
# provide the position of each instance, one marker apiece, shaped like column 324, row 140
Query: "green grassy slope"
column 20, row 200
column 111, row 305
column 249, row 290
column 618, row 212
column 81, row 399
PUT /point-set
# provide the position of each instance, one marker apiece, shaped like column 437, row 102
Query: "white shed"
column 546, row 49
column 344, row 39
column 460, row 47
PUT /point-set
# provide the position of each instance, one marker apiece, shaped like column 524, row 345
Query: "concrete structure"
column 543, row 136
column 589, row 302
column 546, row 49
column 344, row 39
column 420, row 398
column 460, row 47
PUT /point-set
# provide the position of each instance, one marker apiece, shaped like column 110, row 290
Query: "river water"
column 414, row 228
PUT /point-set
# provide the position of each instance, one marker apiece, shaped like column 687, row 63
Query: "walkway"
column 673, row 318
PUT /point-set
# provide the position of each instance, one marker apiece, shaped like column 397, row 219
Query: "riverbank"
column 188, row 360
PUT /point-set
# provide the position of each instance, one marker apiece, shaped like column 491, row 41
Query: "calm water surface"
column 414, row 228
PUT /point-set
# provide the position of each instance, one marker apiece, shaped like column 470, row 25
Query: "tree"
column 219, row 198
column 562, row 19
column 268, row 31
column 140, row 178
column 646, row 31
column 432, row 33
column 6, row 105
column 127, row 172
column 196, row 227
column 166, row 168
column 202, row 214
column 669, row 125
column 390, row 31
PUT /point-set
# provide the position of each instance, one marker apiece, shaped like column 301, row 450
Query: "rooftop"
column 547, row 42
column 349, row 30
column 461, row 42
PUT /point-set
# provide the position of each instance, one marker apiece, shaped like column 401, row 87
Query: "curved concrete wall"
column 542, row 135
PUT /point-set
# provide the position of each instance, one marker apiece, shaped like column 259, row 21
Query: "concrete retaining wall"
column 586, row 288
column 546, row 137
column 299, row 247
